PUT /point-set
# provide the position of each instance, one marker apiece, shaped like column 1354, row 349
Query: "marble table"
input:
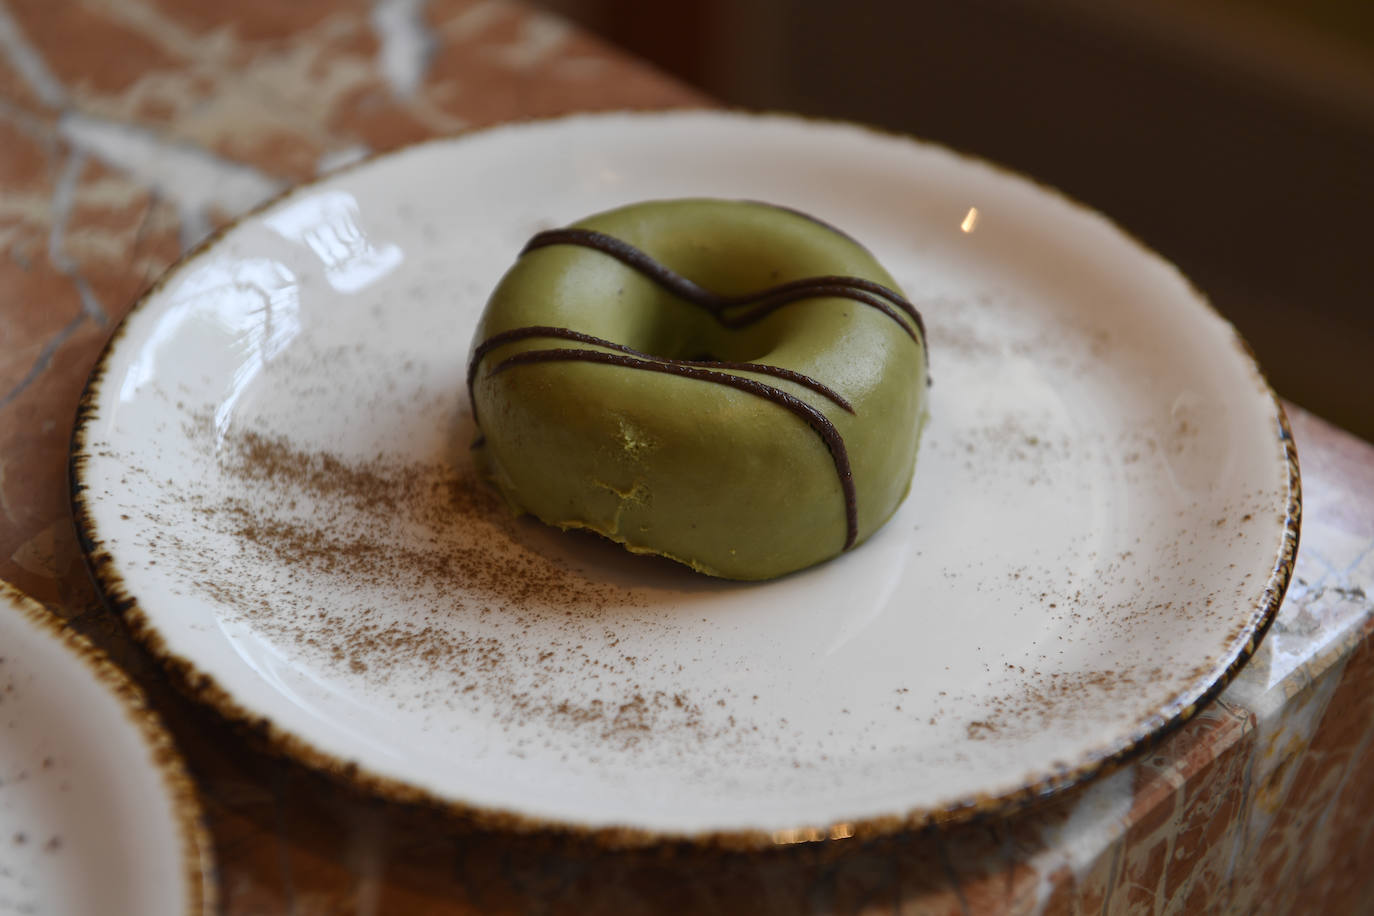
column 131, row 128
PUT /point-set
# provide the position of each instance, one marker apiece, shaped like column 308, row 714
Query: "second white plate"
column 274, row 469
column 97, row 812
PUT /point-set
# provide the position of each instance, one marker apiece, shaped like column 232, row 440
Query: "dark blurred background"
column 1236, row 137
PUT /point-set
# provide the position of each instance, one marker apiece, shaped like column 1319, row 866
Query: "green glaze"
column 722, row 480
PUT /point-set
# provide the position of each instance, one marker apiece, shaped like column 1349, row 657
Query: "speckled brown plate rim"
column 203, row 688
column 197, row 851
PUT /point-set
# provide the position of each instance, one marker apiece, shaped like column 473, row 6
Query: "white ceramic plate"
column 97, row 814
column 274, row 461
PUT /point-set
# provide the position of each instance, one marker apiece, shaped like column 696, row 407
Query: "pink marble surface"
column 130, row 128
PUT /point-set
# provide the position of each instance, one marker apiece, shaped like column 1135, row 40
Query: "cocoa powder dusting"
column 378, row 569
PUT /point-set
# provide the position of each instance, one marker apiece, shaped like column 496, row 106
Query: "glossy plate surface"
column 274, row 459
column 97, row 814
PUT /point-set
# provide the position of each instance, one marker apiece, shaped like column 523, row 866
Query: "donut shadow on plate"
column 604, row 561
column 580, row 551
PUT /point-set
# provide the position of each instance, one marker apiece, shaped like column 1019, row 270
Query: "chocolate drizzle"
column 730, row 312
column 795, row 405
column 505, row 337
column 764, row 301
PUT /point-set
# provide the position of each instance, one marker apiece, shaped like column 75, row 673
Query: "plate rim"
column 351, row 775
column 196, row 848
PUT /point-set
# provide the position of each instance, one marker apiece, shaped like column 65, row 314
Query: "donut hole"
column 702, row 339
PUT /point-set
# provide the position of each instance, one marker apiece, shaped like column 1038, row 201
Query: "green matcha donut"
column 730, row 384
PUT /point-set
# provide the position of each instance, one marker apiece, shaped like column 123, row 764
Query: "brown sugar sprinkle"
column 378, row 568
